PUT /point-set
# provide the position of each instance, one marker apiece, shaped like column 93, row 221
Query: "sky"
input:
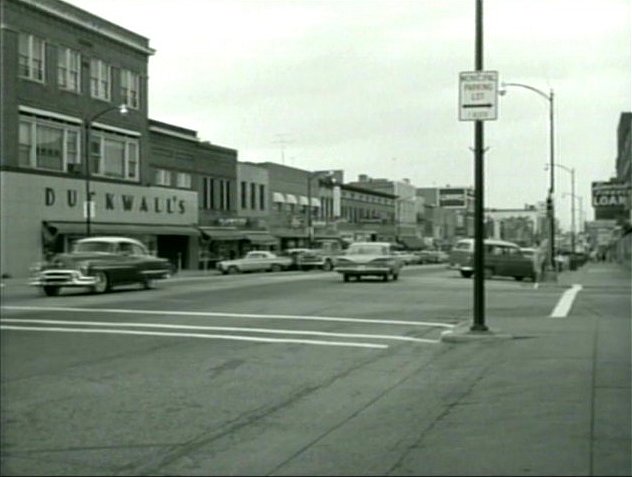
column 372, row 86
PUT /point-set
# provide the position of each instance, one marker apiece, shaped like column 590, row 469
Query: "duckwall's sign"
column 64, row 199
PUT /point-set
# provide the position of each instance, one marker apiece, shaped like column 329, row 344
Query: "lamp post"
column 571, row 171
column 549, row 200
column 310, row 227
column 86, row 154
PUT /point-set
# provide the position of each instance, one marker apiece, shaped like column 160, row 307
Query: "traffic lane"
column 286, row 301
column 132, row 390
column 71, row 397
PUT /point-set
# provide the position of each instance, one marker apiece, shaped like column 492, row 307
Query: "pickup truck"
column 255, row 261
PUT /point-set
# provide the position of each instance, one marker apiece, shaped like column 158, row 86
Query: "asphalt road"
column 219, row 375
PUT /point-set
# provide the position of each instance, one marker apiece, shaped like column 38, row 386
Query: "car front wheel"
column 466, row 274
column 148, row 283
column 276, row 267
column 102, row 283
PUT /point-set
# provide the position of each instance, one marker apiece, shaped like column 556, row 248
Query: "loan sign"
column 478, row 95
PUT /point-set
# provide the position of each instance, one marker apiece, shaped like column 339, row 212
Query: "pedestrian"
column 537, row 262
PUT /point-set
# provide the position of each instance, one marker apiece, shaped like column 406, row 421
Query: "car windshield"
column 93, row 247
column 368, row 249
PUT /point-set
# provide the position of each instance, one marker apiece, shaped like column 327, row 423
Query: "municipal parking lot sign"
column 478, row 95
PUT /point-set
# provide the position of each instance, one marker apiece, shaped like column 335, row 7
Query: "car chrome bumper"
column 362, row 270
column 62, row 278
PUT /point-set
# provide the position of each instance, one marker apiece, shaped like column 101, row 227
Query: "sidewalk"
column 555, row 400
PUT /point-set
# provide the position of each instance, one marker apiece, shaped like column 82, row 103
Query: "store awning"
column 303, row 200
column 291, row 199
column 412, row 242
column 278, row 197
column 96, row 228
column 223, row 235
column 315, row 202
column 261, row 238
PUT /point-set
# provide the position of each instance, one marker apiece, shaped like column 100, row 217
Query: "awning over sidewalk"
column 278, row 197
column 97, row 228
column 261, row 238
column 223, row 235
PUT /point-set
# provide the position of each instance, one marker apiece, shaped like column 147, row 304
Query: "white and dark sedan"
column 369, row 259
column 100, row 263
column 255, row 261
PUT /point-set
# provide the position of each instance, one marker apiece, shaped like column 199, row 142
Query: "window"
column 100, row 79
column 163, row 177
column 68, row 69
column 114, row 155
column 208, row 193
column 243, row 194
column 31, row 56
column 183, row 180
column 262, row 197
column 253, row 196
column 47, row 144
column 130, row 88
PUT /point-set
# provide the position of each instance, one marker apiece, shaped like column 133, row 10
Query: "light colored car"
column 100, row 263
column 409, row 258
column 255, row 261
column 369, row 259
column 502, row 258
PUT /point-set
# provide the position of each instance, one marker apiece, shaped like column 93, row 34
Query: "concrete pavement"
column 553, row 399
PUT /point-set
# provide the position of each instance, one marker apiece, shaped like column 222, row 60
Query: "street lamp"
column 571, row 171
column 87, row 123
column 310, row 227
column 549, row 199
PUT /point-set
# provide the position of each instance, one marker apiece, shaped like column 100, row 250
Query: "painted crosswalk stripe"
column 194, row 335
column 566, row 302
column 218, row 328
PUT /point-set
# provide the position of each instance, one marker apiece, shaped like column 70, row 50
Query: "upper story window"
column 114, row 155
column 130, row 88
column 243, row 189
column 48, row 145
column 163, row 177
column 68, row 69
column 31, row 57
column 100, row 80
column 183, row 180
column 262, row 197
column 253, row 196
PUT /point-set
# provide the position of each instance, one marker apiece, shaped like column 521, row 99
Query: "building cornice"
column 101, row 28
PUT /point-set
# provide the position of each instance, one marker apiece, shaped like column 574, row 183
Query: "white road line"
column 230, row 315
column 195, row 335
column 566, row 302
column 219, row 328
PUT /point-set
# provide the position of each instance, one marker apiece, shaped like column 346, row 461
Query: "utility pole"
column 479, row 182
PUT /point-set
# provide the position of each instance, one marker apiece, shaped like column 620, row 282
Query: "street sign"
column 478, row 95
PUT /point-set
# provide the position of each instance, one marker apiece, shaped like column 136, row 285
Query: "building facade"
column 75, row 162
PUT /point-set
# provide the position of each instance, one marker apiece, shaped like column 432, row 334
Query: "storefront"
column 226, row 243
column 44, row 214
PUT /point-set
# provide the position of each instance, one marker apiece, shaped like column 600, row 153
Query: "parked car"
column 369, row 259
column 255, row 261
column 432, row 256
column 100, row 263
column 502, row 258
column 408, row 258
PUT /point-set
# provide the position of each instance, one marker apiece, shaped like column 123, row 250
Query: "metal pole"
column 309, row 210
column 573, row 212
column 86, row 151
column 552, row 188
column 479, row 258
